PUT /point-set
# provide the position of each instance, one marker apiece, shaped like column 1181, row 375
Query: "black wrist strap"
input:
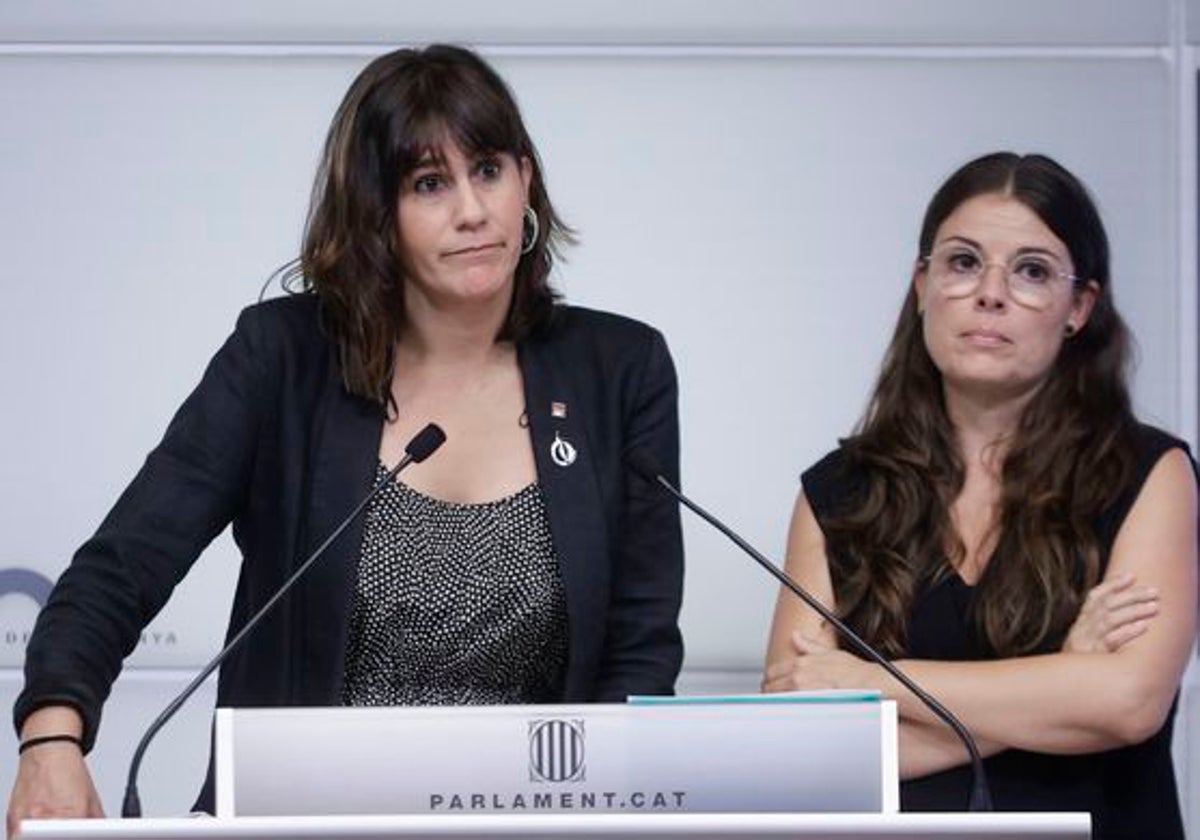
column 49, row 739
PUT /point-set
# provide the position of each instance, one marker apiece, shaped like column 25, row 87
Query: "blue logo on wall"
column 27, row 582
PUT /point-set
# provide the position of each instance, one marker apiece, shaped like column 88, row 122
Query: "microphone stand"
column 980, row 798
column 419, row 448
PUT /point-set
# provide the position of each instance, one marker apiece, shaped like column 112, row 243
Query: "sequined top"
column 456, row 603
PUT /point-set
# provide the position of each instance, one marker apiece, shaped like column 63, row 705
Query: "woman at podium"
column 1002, row 526
column 520, row 563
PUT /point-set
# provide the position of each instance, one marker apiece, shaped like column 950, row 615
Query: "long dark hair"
column 1069, row 458
column 401, row 106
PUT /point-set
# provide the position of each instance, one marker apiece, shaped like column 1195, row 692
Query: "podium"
column 798, row 767
column 832, row 752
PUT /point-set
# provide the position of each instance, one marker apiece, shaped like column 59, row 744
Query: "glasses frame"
column 985, row 265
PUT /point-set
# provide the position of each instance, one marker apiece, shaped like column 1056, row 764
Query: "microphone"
column 422, row 445
column 642, row 462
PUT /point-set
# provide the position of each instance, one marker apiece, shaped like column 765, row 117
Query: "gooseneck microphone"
column 422, row 445
column 643, row 463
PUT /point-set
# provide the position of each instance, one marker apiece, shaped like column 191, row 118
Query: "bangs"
column 474, row 120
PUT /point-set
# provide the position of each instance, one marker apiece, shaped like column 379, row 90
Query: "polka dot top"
column 456, row 603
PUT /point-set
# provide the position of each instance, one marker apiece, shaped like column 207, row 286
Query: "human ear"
column 918, row 282
column 526, row 167
column 1083, row 301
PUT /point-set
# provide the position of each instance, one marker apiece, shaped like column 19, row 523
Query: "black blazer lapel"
column 567, row 474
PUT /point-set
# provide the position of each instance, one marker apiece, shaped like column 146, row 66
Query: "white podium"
column 787, row 767
column 836, row 753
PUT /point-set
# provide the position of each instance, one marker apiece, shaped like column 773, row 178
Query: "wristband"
column 49, row 739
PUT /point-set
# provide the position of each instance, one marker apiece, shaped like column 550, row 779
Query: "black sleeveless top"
column 1130, row 792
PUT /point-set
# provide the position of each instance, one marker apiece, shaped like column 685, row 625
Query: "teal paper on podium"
column 832, row 695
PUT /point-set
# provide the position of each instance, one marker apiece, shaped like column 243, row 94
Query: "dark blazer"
column 271, row 442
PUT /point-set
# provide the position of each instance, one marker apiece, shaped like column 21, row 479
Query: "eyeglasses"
column 1032, row 279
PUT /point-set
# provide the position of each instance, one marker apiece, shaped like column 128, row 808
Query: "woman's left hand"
column 816, row 665
column 1114, row 613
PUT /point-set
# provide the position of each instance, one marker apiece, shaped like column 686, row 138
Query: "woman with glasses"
column 1002, row 526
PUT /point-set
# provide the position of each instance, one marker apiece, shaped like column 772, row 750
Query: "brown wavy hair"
column 1069, row 458
column 402, row 106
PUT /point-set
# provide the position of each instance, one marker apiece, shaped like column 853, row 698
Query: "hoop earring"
column 530, row 230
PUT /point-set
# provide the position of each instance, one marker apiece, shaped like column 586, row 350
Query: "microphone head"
column 425, row 443
column 643, row 462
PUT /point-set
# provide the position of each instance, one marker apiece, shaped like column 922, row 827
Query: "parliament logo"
column 556, row 750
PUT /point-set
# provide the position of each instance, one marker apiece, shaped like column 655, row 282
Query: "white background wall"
column 749, row 178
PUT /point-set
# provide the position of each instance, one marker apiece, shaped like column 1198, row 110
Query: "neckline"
column 531, row 487
column 961, row 581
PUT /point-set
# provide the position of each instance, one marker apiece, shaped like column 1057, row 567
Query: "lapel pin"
column 558, row 410
column 561, row 451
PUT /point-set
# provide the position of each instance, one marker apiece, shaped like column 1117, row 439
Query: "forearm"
column 67, row 668
column 927, row 748
column 89, row 625
column 186, row 492
column 1058, row 703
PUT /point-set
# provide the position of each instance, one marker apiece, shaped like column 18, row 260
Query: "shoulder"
column 605, row 342
column 827, row 469
column 1151, row 444
column 575, row 323
column 278, row 343
column 291, row 314
column 829, row 481
column 283, row 328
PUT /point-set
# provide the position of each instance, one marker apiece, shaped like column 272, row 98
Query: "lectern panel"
column 822, row 757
